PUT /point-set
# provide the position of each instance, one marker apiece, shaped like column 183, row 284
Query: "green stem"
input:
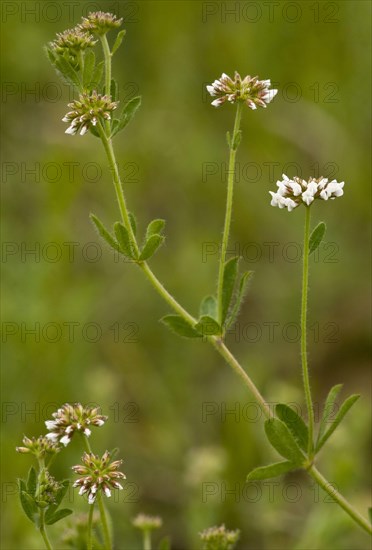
column 107, row 56
column 105, row 527
column 305, row 370
column 43, row 531
column 147, row 539
column 229, row 204
column 90, row 527
column 337, row 497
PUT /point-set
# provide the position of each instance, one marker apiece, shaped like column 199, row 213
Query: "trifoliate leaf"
column 243, row 287
column 124, row 240
column 283, row 441
column 328, row 410
column 294, row 423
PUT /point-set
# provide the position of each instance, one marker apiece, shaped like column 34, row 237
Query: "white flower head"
column 249, row 90
column 293, row 192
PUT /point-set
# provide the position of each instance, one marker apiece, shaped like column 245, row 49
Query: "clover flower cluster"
column 100, row 22
column 39, row 447
column 73, row 418
column 98, row 474
column 219, row 538
column 87, row 111
column 72, row 41
column 250, row 90
column 147, row 523
column 293, row 192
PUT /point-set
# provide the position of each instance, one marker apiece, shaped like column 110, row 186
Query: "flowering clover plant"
column 94, row 112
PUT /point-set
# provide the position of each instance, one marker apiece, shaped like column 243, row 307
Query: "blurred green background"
column 96, row 336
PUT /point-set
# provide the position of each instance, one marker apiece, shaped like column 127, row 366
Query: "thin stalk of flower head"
column 215, row 341
column 147, row 539
column 101, row 506
column 90, row 527
column 107, row 55
column 337, row 497
column 305, row 369
column 229, row 204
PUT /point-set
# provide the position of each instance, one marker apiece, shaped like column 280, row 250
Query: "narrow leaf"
column 151, row 246
column 237, row 140
column 57, row 516
column 114, row 89
column 51, row 55
column 128, row 112
column 118, row 41
column 283, row 441
column 124, row 240
column 229, row 277
column 316, row 237
column 294, row 423
column 177, row 324
column 328, row 410
column 32, row 481
column 208, row 306
column 29, row 506
column 243, row 287
column 61, row 492
column 273, row 470
column 346, row 405
column 208, row 326
column 133, row 222
column 89, row 61
column 104, row 233
column 155, row 227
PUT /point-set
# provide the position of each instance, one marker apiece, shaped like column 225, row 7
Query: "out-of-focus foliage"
column 80, row 324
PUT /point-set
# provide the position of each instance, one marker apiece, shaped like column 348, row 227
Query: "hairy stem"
column 104, row 521
column 229, row 204
column 305, row 370
column 43, row 530
column 107, row 56
column 337, row 497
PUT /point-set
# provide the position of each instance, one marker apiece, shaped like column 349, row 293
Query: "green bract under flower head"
column 147, row 523
column 253, row 92
column 72, row 41
column 88, row 110
column 99, row 22
column 38, row 447
column 98, row 474
column 219, row 538
column 73, row 418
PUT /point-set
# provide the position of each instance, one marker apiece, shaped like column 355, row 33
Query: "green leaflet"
column 243, row 287
column 273, row 470
column 57, row 516
column 124, row 240
column 67, row 71
column 89, row 62
column 151, row 246
column 294, row 423
column 118, row 41
column 177, row 324
column 155, row 228
column 208, row 306
column 346, row 405
column 32, row 481
column 128, row 112
column 316, row 237
column 29, row 506
column 230, row 273
column 104, row 233
column 97, row 76
column 114, row 89
column 208, row 326
column 283, row 441
column 328, row 410
column 133, row 222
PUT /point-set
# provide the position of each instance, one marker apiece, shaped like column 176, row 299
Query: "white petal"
column 65, row 440
column 216, row 102
column 107, row 492
column 71, row 130
column 50, row 424
column 87, row 432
